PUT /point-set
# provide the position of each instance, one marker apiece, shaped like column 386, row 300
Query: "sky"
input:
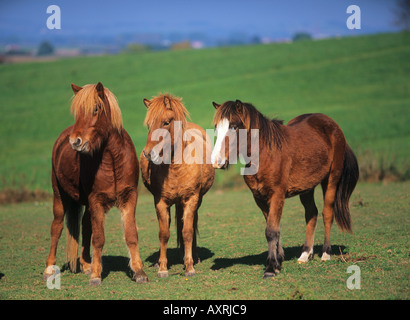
column 26, row 19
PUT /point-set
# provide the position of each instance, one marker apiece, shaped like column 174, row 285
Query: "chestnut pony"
column 292, row 160
column 94, row 165
column 176, row 181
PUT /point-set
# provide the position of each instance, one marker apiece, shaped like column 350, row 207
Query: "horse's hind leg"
column 85, row 258
column 311, row 212
column 131, row 238
column 329, row 188
column 56, row 228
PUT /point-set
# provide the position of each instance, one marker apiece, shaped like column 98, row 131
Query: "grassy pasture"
column 363, row 83
column 233, row 252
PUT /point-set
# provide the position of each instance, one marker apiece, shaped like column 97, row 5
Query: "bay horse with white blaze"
column 94, row 165
column 292, row 160
column 173, row 179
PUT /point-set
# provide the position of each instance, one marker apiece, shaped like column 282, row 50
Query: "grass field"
column 363, row 83
column 233, row 252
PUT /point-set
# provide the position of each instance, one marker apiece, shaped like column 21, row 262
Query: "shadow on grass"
column 121, row 263
column 260, row 259
column 109, row 264
column 175, row 256
column 115, row 264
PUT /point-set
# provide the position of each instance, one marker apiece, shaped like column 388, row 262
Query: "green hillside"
column 362, row 82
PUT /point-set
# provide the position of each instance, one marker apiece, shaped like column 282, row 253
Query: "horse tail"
column 73, row 218
column 345, row 187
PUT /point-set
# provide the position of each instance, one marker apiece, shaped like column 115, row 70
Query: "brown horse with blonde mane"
column 94, row 165
column 292, row 160
column 175, row 173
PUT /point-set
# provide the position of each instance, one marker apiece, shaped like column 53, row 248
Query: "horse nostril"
column 77, row 142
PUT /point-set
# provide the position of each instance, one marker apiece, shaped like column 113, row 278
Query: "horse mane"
column 160, row 104
column 85, row 101
column 270, row 130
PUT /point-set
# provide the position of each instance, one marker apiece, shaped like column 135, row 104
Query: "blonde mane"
column 160, row 104
column 85, row 101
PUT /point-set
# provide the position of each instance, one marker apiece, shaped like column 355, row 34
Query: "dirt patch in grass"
column 10, row 195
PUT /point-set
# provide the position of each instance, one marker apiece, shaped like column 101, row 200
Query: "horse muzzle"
column 222, row 165
column 79, row 145
column 151, row 155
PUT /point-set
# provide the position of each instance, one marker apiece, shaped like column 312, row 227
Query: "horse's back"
column 317, row 121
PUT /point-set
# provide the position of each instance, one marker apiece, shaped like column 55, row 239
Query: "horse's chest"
column 171, row 183
column 258, row 186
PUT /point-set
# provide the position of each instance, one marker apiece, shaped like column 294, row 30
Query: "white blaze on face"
column 218, row 155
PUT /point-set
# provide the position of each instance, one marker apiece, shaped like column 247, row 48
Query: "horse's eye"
column 166, row 123
column 95, row 110
column 234, row 127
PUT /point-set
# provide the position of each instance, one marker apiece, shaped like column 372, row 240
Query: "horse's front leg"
column 162, row 210
column 272, row 233
column 131, row 237
column 56, row 229
column 97, row 213
column 188, row 233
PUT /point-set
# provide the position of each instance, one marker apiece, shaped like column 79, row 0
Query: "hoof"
column 46, row 276
column 162, row 274
column 86, row 269
column 190, row 274
column 325, row 257
column 95, row 282
column 304, row 257
column 269, row 275
column 48, row 272
column 140, row 277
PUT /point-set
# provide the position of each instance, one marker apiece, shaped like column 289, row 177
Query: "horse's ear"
column 100, row 90
column 216, row 106
column 146, row 103
column 75, row 88
column 238, row 106
column 167, row 102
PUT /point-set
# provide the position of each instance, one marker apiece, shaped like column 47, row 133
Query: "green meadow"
column 363, row 83
column 232, row 249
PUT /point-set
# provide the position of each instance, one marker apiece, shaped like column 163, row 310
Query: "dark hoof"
column 269, row 275
column 95, row 282
column 140, row 277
